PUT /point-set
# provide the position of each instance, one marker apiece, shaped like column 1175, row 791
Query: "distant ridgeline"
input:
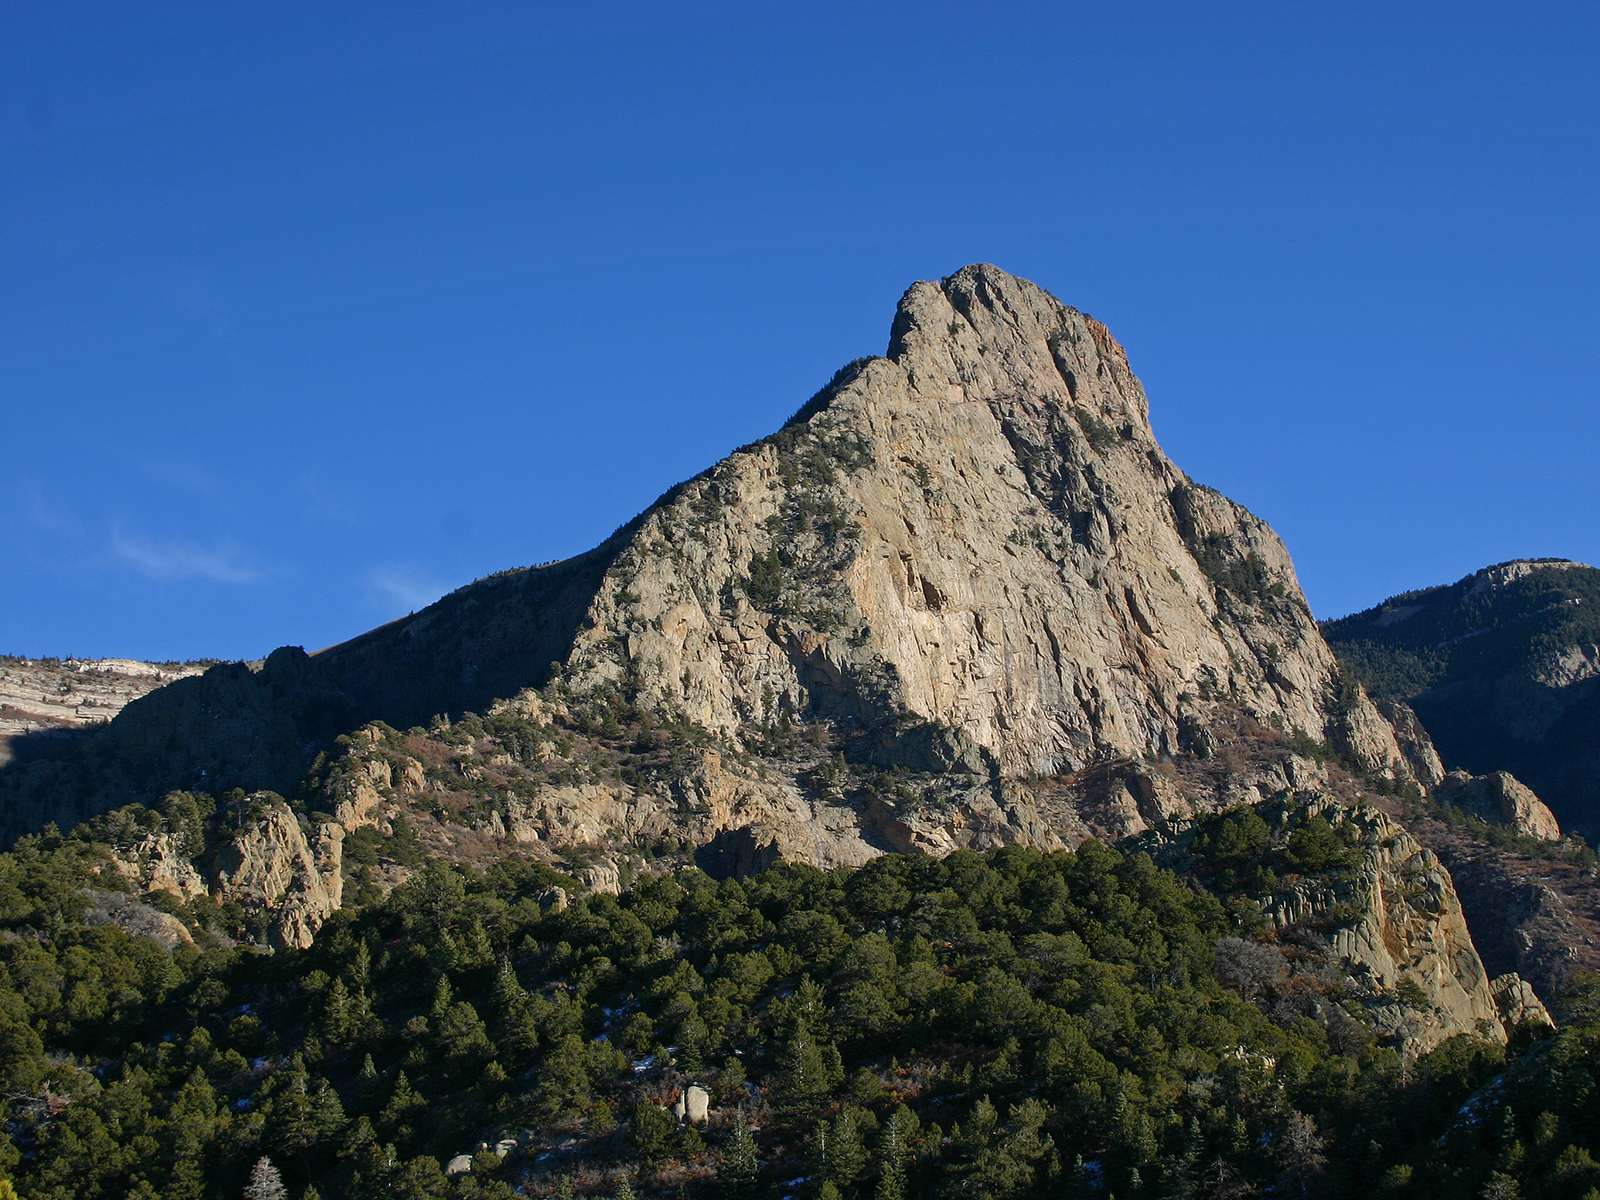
column 1503, row 668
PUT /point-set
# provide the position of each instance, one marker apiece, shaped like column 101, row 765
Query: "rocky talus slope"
column 961, row 600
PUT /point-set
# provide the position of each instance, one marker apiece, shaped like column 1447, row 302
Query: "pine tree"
column 265, row 1182
column 404, row 1104
column 288, row 1111
column 336, row 1014
column 891, row 1164
column 442, row 998
column 625, row 1189
column 845, row 1159
column 739, row 1169
column 369, row 1085
column 327, row 1112
column 1239, row 1136
column 517, row 1032
column 652, row 1131
column 360, row 970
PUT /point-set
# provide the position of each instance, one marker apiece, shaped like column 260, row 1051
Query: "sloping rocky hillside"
column 42, row 699
column 1503, row 667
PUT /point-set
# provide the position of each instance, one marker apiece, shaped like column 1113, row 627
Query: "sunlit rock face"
column 978, row 530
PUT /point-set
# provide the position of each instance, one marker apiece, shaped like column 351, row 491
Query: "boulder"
column 697, row 1102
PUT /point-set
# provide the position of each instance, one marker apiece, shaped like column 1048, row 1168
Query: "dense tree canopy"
column 1003, row 1025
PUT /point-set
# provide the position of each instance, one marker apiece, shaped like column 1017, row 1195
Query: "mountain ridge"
column 1503, row 668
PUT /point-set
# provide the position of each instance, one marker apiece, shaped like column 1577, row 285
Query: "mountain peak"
column 968, row 555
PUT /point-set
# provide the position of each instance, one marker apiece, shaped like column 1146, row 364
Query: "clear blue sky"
column 310, row 313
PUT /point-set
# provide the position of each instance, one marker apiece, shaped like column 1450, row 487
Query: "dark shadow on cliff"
column 261, row 728
column 485, row 642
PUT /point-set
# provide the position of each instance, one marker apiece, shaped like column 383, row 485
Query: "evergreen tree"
column 360, row 968
column 442, row 998
column 265, row 1182
column 369, row 1085
column 404, row 1106
column 891, row 1163
column 327, row 1112
column 739, row 1168
column 652, row 1131
column 844, row 1156
column 288, row 1111
column 336, row 1013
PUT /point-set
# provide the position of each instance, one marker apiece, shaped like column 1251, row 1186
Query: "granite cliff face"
column 978, row 532
column 968, row 553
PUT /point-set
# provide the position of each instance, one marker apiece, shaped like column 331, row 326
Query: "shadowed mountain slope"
column 1503, row 668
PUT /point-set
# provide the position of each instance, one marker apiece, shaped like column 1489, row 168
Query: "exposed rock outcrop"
column 1409, row 927
column 44, row 697
column 1518, row 1003
column 135, row 917
column 161, row 862
column 255, row 726
column 1501, row 800
column 274, row 865
column 1378, row 924
column 978, row 531
column 1426, row 766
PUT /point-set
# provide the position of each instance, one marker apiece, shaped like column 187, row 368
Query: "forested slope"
column 1009, row 1024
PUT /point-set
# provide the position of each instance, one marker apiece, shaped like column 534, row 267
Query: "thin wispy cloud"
column 175, row 560
column 397, row 587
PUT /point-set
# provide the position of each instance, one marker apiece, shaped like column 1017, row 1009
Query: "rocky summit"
column 969, row 552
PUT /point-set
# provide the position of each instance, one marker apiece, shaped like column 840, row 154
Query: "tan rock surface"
column 158, row 862
column 1518, row 1002
column 273, row 865
column 1407, row 925
column 1002, row 548
column 1501, row 799
column 136, row 918
column 43, row 695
